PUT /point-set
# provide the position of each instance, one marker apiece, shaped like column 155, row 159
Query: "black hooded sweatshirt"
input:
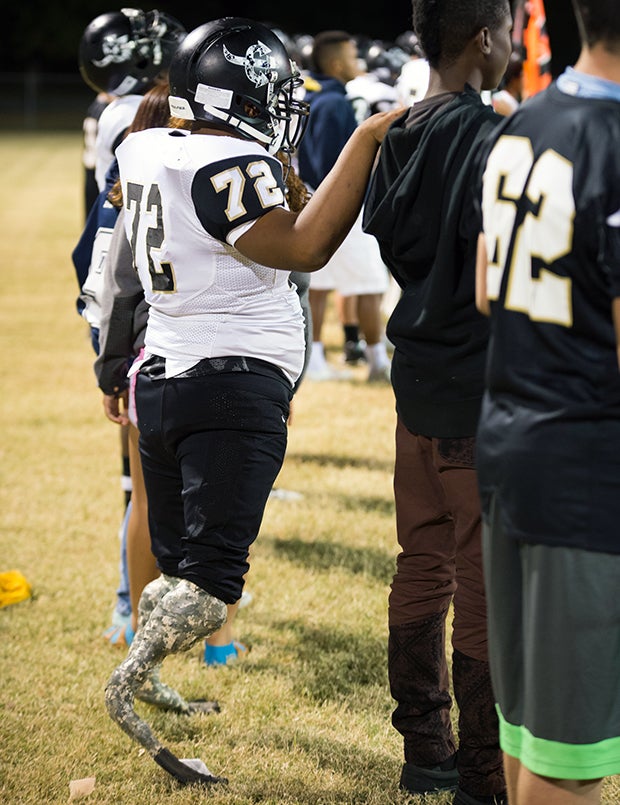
column 420, row 208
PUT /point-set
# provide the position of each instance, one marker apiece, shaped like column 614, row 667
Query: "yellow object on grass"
column 13, row 588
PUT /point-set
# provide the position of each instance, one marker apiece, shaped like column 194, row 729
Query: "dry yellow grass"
column 306, row 717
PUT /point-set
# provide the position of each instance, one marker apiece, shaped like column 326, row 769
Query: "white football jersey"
column 412, row 83
column 92, row 289
column 187, row 199
column 115, row 119
column 368, row 94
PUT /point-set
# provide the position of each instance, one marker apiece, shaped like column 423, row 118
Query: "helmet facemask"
column 290, row 114
column 240, row 75
column 156, row 37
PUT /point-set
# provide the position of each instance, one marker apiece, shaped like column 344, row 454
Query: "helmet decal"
column 116, row 50
column 124, row 51
column 258, row 64
column 238, row 74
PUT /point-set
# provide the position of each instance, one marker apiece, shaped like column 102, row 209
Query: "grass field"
column 306, row 716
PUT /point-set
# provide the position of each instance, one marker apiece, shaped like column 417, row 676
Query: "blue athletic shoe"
column 224, row 655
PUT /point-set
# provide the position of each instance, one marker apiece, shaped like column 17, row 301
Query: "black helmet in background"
column 123, row 52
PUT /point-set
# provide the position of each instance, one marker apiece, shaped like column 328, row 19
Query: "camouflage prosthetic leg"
column 184, row 615
column 154, row 691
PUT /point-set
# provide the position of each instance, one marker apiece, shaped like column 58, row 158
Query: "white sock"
column 317, row 357
column 377, row 355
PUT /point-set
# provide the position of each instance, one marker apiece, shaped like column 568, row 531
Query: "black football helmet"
column 237, row 72
column 410, row 43
column 385, row 59
column 303, row 46
column 122, row 52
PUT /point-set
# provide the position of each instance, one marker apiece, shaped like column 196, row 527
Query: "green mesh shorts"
column 554, row 651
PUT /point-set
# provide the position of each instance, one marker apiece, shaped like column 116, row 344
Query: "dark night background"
column 45, row 35
column 39, row 78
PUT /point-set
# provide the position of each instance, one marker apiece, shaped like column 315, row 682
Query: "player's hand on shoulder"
column 377, row 125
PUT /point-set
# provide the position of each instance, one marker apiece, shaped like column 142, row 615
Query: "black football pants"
column 212, row 442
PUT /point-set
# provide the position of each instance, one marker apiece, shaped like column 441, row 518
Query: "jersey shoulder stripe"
column 237, row 190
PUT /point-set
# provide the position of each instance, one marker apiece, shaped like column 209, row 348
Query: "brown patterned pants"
column 439, row 533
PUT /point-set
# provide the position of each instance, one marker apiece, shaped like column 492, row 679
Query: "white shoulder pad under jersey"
column 230, row 182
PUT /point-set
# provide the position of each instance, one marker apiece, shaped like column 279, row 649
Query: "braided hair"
column 297, row 194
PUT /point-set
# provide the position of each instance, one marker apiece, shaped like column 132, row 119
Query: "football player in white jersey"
column 122, row 53
column 213, row 243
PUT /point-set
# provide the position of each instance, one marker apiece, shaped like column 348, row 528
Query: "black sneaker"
column 422, row 780
column 355, row 352
column 461, row 798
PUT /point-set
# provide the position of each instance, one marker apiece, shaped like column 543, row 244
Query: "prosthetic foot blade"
column 183, row 773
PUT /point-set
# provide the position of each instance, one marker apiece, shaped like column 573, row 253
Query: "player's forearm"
column 615, row 309
column 331, row 212
column 305, row 241
column 482, row 301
